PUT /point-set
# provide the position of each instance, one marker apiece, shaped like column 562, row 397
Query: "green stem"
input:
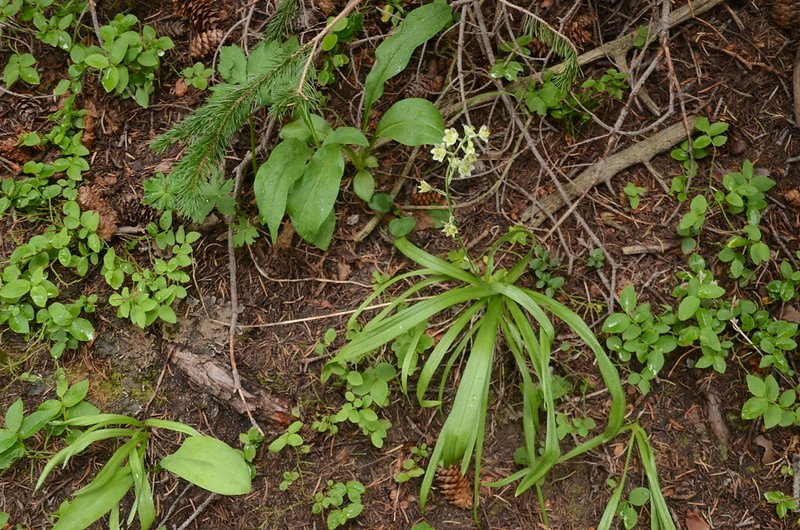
column 253, row 145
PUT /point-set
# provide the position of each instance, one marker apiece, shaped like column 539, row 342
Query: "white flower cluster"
column 453, row 145
column 460, row 152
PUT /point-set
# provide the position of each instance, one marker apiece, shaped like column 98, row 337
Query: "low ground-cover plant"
column 202, row 460
column 489, row 304
column 302, row 175
column 343, row 500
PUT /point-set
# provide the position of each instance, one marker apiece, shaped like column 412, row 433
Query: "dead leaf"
column 793, row 197
column 695, row 521
column 180, row 87
column 790, row 314
column 769, row 450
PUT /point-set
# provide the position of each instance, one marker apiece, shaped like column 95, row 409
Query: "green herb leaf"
column 210, row 464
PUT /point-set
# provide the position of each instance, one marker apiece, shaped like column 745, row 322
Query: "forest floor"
column 731, row 63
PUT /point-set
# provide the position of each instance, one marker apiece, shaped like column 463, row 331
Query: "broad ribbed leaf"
column 412, row 122
column 393, row 54
column 275, row 178
column 313, row 196
column 211, row 464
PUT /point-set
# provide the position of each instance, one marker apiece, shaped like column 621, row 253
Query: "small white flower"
column 450, row 229
column 469, row 131
column 483, row 133
column 469, row 149
column 465, row 167
column 439, row 152
column 424, row 187
column 450, row 137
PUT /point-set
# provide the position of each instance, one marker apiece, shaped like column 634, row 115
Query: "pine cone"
column 90, row 199
column 204, row 43
column 429, row 198
column 170, row 28
column 202, row 15
column 455, row 487
column 578, row 31
column 13, row 152
column 793, row 197
column 786, row 14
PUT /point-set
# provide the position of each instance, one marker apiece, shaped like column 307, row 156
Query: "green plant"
column 580, row 427
column 290, row 438
column 699, row 317
column 251, row 441
column 775, row 407
column 302, row 175
column 784, row 289
column 342, row 32
column 642, row 37
column 127, row 60
column 412, row 466
column 542, row 265
column 691, row 222
column 551, row 99
column 783, row 503
column 692, row 150
column 660, row 516
column 204, row 461
column 596, row 259
column 506, row 67
column 634, row 194
column 153, row 291
column 197, row 75
column 392, row 11
column 343, row 501
column 20, row 427
column 288, row 479
column 487, row 305
column 636, row 331
column 365, row 391
column 20, row 66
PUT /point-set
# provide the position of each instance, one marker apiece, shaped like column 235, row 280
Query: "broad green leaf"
column 210, row 464
column 616, row 323
column 232, row 64
column 275, row 179
column 82, row 329
column 347, row 135
column 96, row 60
column 754, row 408
column 688, row 307
column 393, row 54
column 15, row 289
column 85, row 509
column 14, row 415
column 412, row 122
column 7, row 439
column 312, row 198
column 627, row 299
column 76, row 393
column 110, row 79
column 364, row 185
column 322, row 239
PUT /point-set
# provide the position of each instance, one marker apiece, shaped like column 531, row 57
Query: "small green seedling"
column 20, row 67
column 783, row 503
column 412, row 466
column 634, row 194
column 344, row 501
column 290, row 438
column 596, row 259
column 288, row 479
column 197, row 75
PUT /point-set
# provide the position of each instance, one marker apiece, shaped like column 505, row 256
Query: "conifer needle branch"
column 314, row 43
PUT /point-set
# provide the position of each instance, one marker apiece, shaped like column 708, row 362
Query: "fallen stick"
column 656, row 248
column 796, row 87
column 214, row 379
column 619, row 47
column 603, row 171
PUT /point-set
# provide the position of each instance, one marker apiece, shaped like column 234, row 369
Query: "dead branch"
column 796, row 87
column 215, row 379
column 617, row 49
column 603, row 171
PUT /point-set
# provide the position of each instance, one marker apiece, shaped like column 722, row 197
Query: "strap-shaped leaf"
column 85, row 509
column 393, row 54
column 438, row 265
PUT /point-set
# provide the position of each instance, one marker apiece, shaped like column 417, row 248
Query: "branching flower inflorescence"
column 461, row 157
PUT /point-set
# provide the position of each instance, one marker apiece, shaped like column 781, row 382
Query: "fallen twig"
column 796, row 87
column 635, row 154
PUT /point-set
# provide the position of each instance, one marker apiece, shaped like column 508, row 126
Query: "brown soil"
column 733, row 64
